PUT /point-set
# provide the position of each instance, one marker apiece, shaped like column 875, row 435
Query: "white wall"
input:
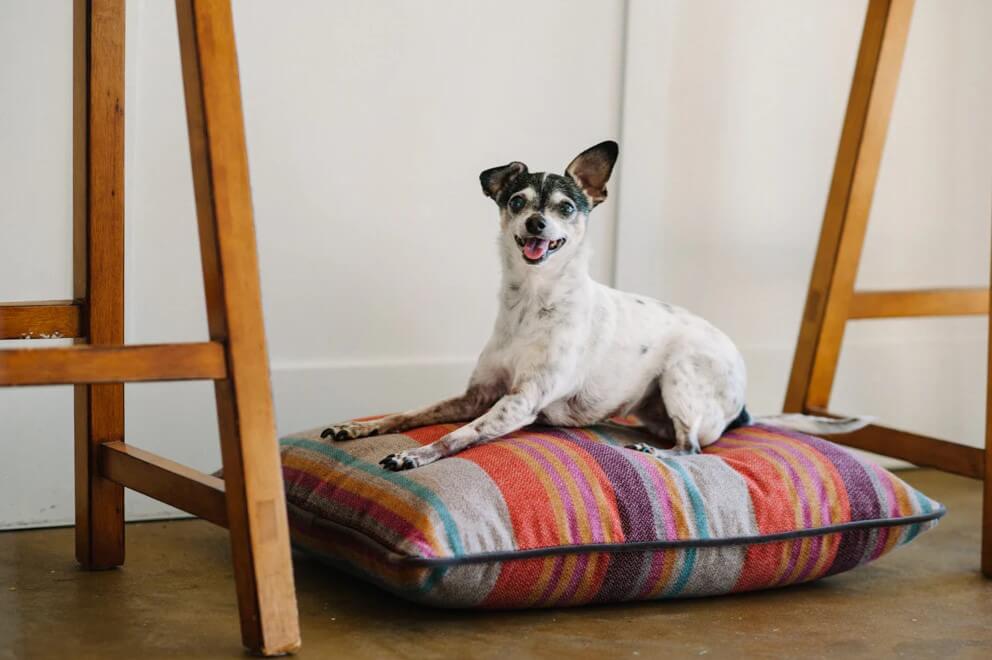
column 368, row 122
column 733, row 112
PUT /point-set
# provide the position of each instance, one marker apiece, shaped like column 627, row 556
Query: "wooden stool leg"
column 987, row 486
column 845, row 220
column 256, row 505
column 98, row 265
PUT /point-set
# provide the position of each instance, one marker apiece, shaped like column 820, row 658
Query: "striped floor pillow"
column 564, row 516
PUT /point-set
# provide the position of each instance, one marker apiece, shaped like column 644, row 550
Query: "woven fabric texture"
column 564, row 516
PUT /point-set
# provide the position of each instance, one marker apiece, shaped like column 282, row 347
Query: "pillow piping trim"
column 394, row 557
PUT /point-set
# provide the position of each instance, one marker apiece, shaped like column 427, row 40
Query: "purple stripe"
column 818, row 482
column 596, row 524
column 860, row 495
column 559, row 482
column 368, row 509
column 553, row 580
column 575, row 578
column 633, row 500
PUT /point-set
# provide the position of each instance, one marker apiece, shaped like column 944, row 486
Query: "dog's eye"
column 517, row 203
column 566, row 208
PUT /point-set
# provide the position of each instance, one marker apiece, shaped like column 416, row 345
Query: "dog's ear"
column 592, row 168
column 496, row 179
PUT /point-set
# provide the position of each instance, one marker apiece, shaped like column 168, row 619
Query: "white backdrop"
column 368, row 122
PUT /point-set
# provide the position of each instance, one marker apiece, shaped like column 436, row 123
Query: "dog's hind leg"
column 693, row 404
column 513, row 411
column 461, row 408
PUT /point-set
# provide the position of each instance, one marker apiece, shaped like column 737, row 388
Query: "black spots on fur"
column 665, row 306
column 544, row 185
column 644, row 349
column 514, row 286
column 546, row 312
column 640, row 302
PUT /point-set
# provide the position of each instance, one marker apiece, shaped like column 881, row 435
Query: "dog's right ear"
column 496, row 179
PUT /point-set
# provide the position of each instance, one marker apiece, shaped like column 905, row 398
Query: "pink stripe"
column 575, row 578
column 585, row 491
column 402, row 527
column 887, row 485
column 817, row 482
column 553, row 580
column 571, row 461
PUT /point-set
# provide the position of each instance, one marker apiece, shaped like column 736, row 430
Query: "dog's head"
column 544, row 215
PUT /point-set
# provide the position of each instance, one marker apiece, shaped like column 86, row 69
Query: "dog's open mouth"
column 536, row 250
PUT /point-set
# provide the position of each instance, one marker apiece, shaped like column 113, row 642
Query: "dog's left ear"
column 496, row 179
column 592, row 168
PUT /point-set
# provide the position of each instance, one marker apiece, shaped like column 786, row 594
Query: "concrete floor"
column 175, row 598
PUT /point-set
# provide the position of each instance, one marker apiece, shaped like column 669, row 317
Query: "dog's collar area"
column 535, row 249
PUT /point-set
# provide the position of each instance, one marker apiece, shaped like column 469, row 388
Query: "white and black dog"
column 569, row 351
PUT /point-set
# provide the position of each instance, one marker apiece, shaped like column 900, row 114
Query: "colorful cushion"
column 565, row 516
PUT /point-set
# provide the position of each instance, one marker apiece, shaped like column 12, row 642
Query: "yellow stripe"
column 357, row 484
column 557, row 506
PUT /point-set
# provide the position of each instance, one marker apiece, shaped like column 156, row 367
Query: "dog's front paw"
column 401, row 461
column 350, row 431
column 656, row 451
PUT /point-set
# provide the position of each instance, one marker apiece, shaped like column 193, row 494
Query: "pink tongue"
column 535, row 248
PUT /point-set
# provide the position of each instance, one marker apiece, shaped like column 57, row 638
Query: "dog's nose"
column 535, row 224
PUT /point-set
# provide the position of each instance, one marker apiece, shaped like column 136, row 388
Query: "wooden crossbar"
column 919, row 450
column 923, row 302
column 112, row 364
column 177, row 485
column 47, row 319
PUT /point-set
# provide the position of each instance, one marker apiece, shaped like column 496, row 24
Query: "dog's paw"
column 644, row 447
column 401, row 461
column 658, row 452
column 350, row 431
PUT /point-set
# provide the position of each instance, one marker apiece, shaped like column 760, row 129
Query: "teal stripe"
column 914, row 530
column 702, row 527
column 450, row 527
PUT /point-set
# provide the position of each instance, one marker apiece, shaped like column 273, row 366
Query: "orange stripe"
column 668, row 559
column 760, row 454
column 557, row 507
column 582, row 517
column 838, row 506
column 360, row 485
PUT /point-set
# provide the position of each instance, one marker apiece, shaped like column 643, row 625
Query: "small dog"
column 568, row 351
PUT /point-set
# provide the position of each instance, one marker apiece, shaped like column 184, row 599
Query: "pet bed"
column 565, row 516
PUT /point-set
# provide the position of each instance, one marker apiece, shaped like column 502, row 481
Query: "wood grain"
column 924, row 302
column 845, row 219
column 257, row 517
column 98, row 265
column 111, row 364
column 919, row 450
column 47, row 319
column 166, row 481
column 987, row 473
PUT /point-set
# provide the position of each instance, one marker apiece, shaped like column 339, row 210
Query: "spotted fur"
column 568, row 351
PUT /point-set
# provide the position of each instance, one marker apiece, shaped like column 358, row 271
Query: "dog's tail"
column 804, row 423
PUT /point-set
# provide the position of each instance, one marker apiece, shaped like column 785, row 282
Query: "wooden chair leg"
column 256, row 506
column 987, row 486
column 845, row 220
column 98, row 265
